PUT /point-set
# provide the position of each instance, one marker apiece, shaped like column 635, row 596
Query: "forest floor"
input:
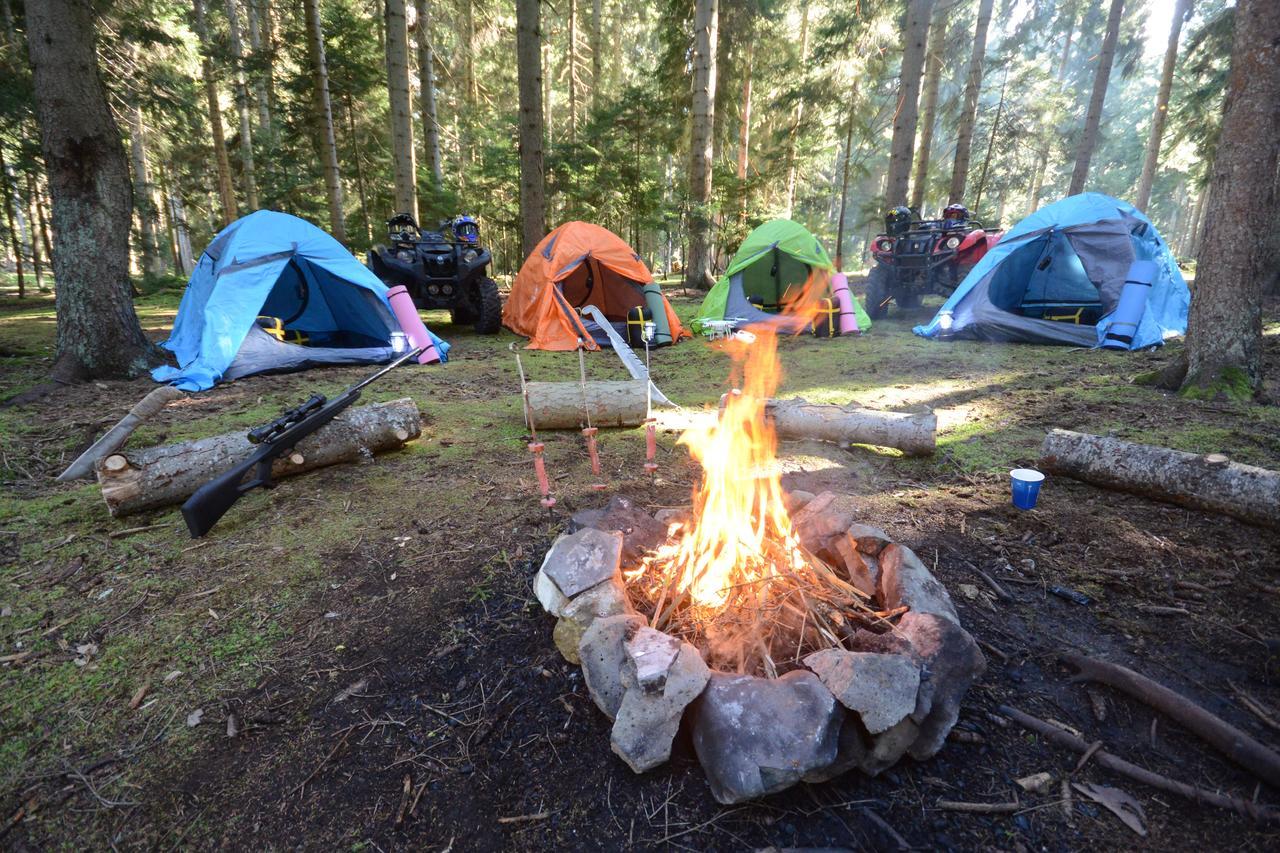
column 373, row 631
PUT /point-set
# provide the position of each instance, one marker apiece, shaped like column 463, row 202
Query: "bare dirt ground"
column 372, row 633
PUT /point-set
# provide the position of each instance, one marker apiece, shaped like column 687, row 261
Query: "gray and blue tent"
column 274, row 293
column 1057, row 277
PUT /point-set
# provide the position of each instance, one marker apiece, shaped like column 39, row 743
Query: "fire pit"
column 800, row 642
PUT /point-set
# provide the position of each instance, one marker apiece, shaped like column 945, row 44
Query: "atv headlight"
column 885, row 245
column 447, row 290
column 433, row 289
column 952, row 242
column 470, row 255
column 404, row 255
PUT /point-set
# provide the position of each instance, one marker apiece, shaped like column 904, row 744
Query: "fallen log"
column 137, row 480
column 913, row 434
column 1209, row 482
column 1226, row 738
column 114, row 438
column 559, row 405
column 1065, row 739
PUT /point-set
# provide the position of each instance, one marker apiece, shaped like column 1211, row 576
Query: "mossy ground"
column 304, row 578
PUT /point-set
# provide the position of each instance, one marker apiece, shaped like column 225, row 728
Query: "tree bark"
column 268, row 49
column 596, row 47
column 533, row 215
column 10, row 220
column 98, row 331
column 1203, row 482
column 991, row 146
column 1192, row 248
column 427, row 101
column 744, row 129
column 798, row 118
column 38, row 200
column 144, row 194
column 404, row 166
column 138, row 480
column 361, row 190
column 226, row 190
column 559, row 405
column 260, row 96
column 1143, row 196
column 37, row 226
column 1093, row 117
column 324, row 120
column 913, row 434
column 969, row 111
column 182, row 231
column 929, row 105
column 573, row 71
column 705, row 31
column 915, row 34
column 247, row 171
column 1224, row 340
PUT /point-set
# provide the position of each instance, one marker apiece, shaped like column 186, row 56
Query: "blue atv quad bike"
column 446, row 268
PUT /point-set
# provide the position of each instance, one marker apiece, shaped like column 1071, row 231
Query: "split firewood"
column 114, row 438
column 560, row 405
column 913, row 434
column 1229, row 740
column 1209, row 482
column 1065, row 739
column 137, row 480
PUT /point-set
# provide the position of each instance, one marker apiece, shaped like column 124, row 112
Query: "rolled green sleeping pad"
column 658, row 306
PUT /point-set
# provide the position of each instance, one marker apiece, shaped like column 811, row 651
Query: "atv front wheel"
column 490, row 319
column 879, row 284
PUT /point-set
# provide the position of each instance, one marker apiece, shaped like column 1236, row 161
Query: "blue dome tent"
column 274, row 293
column 1056, row 278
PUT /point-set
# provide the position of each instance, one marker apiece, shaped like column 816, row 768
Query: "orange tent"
column 576, row 265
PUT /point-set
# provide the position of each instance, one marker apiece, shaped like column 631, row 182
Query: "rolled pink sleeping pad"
column 840, row 292
column 411, row 324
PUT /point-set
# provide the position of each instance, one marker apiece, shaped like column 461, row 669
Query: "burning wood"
column 736, row 581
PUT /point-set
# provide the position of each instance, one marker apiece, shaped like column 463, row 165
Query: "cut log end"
column 115, row 463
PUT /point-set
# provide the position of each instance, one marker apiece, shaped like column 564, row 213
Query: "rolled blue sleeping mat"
column 1123, row 327
column 658, row 306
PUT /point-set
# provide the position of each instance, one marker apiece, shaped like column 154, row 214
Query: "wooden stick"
column 114, row 438
column 1067, row 740
column 979, row 808
column 1229, row 740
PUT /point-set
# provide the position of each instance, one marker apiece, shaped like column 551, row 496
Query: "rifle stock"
column 212, row 500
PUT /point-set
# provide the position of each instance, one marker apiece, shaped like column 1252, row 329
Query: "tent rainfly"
column 274, row 293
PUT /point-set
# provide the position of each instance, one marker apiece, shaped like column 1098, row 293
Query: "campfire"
column 735, row 579
column 793, row 640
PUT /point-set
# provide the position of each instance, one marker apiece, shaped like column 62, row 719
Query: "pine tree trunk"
column 597, row 87
column 403, row 163
column 705, row 31
column 98, row 331
column 1093, row 118
column 11, row 220
column 323, row 112
column 37, row 227
column 260, row 96
column 361, row 190
column 226, row 191
column 533, row 216
column 144, row 194
column 969, row 112
column 469, row 52
column 1037, row 183
column 427, row 78
column 991, row 144
column 43, row 223
column 10, row 30
column 796, row 120
column 929, row 106
column 268, row 49
column 1197, row 226
column 915, row 34
column 1143, row 196
column 844, row 184
column 1224, row 340
column 248, row 173
column 744, row 129
column 573, row 71
column 181, row 231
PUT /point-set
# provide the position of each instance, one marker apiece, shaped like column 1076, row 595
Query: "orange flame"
column 739, row 504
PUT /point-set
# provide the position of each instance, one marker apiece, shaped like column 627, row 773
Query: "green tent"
column 780, row 266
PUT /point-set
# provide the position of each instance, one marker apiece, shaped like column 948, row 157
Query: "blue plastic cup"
column 1026, row 487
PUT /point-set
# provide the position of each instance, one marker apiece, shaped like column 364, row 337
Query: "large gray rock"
column 650, row 655
column 905, row 580
column 603, row 654
column 548, row 594
column 881, row 688
column 603, row 599
column 889, row 746
column 648, row 720
column 640, row 531
column 851, row 752
column 871, row 540
column 951, row 662
column 579, row 561
column 755, row 736
column 823, row 517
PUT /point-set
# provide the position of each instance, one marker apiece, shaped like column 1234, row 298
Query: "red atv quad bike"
column 915, row 257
